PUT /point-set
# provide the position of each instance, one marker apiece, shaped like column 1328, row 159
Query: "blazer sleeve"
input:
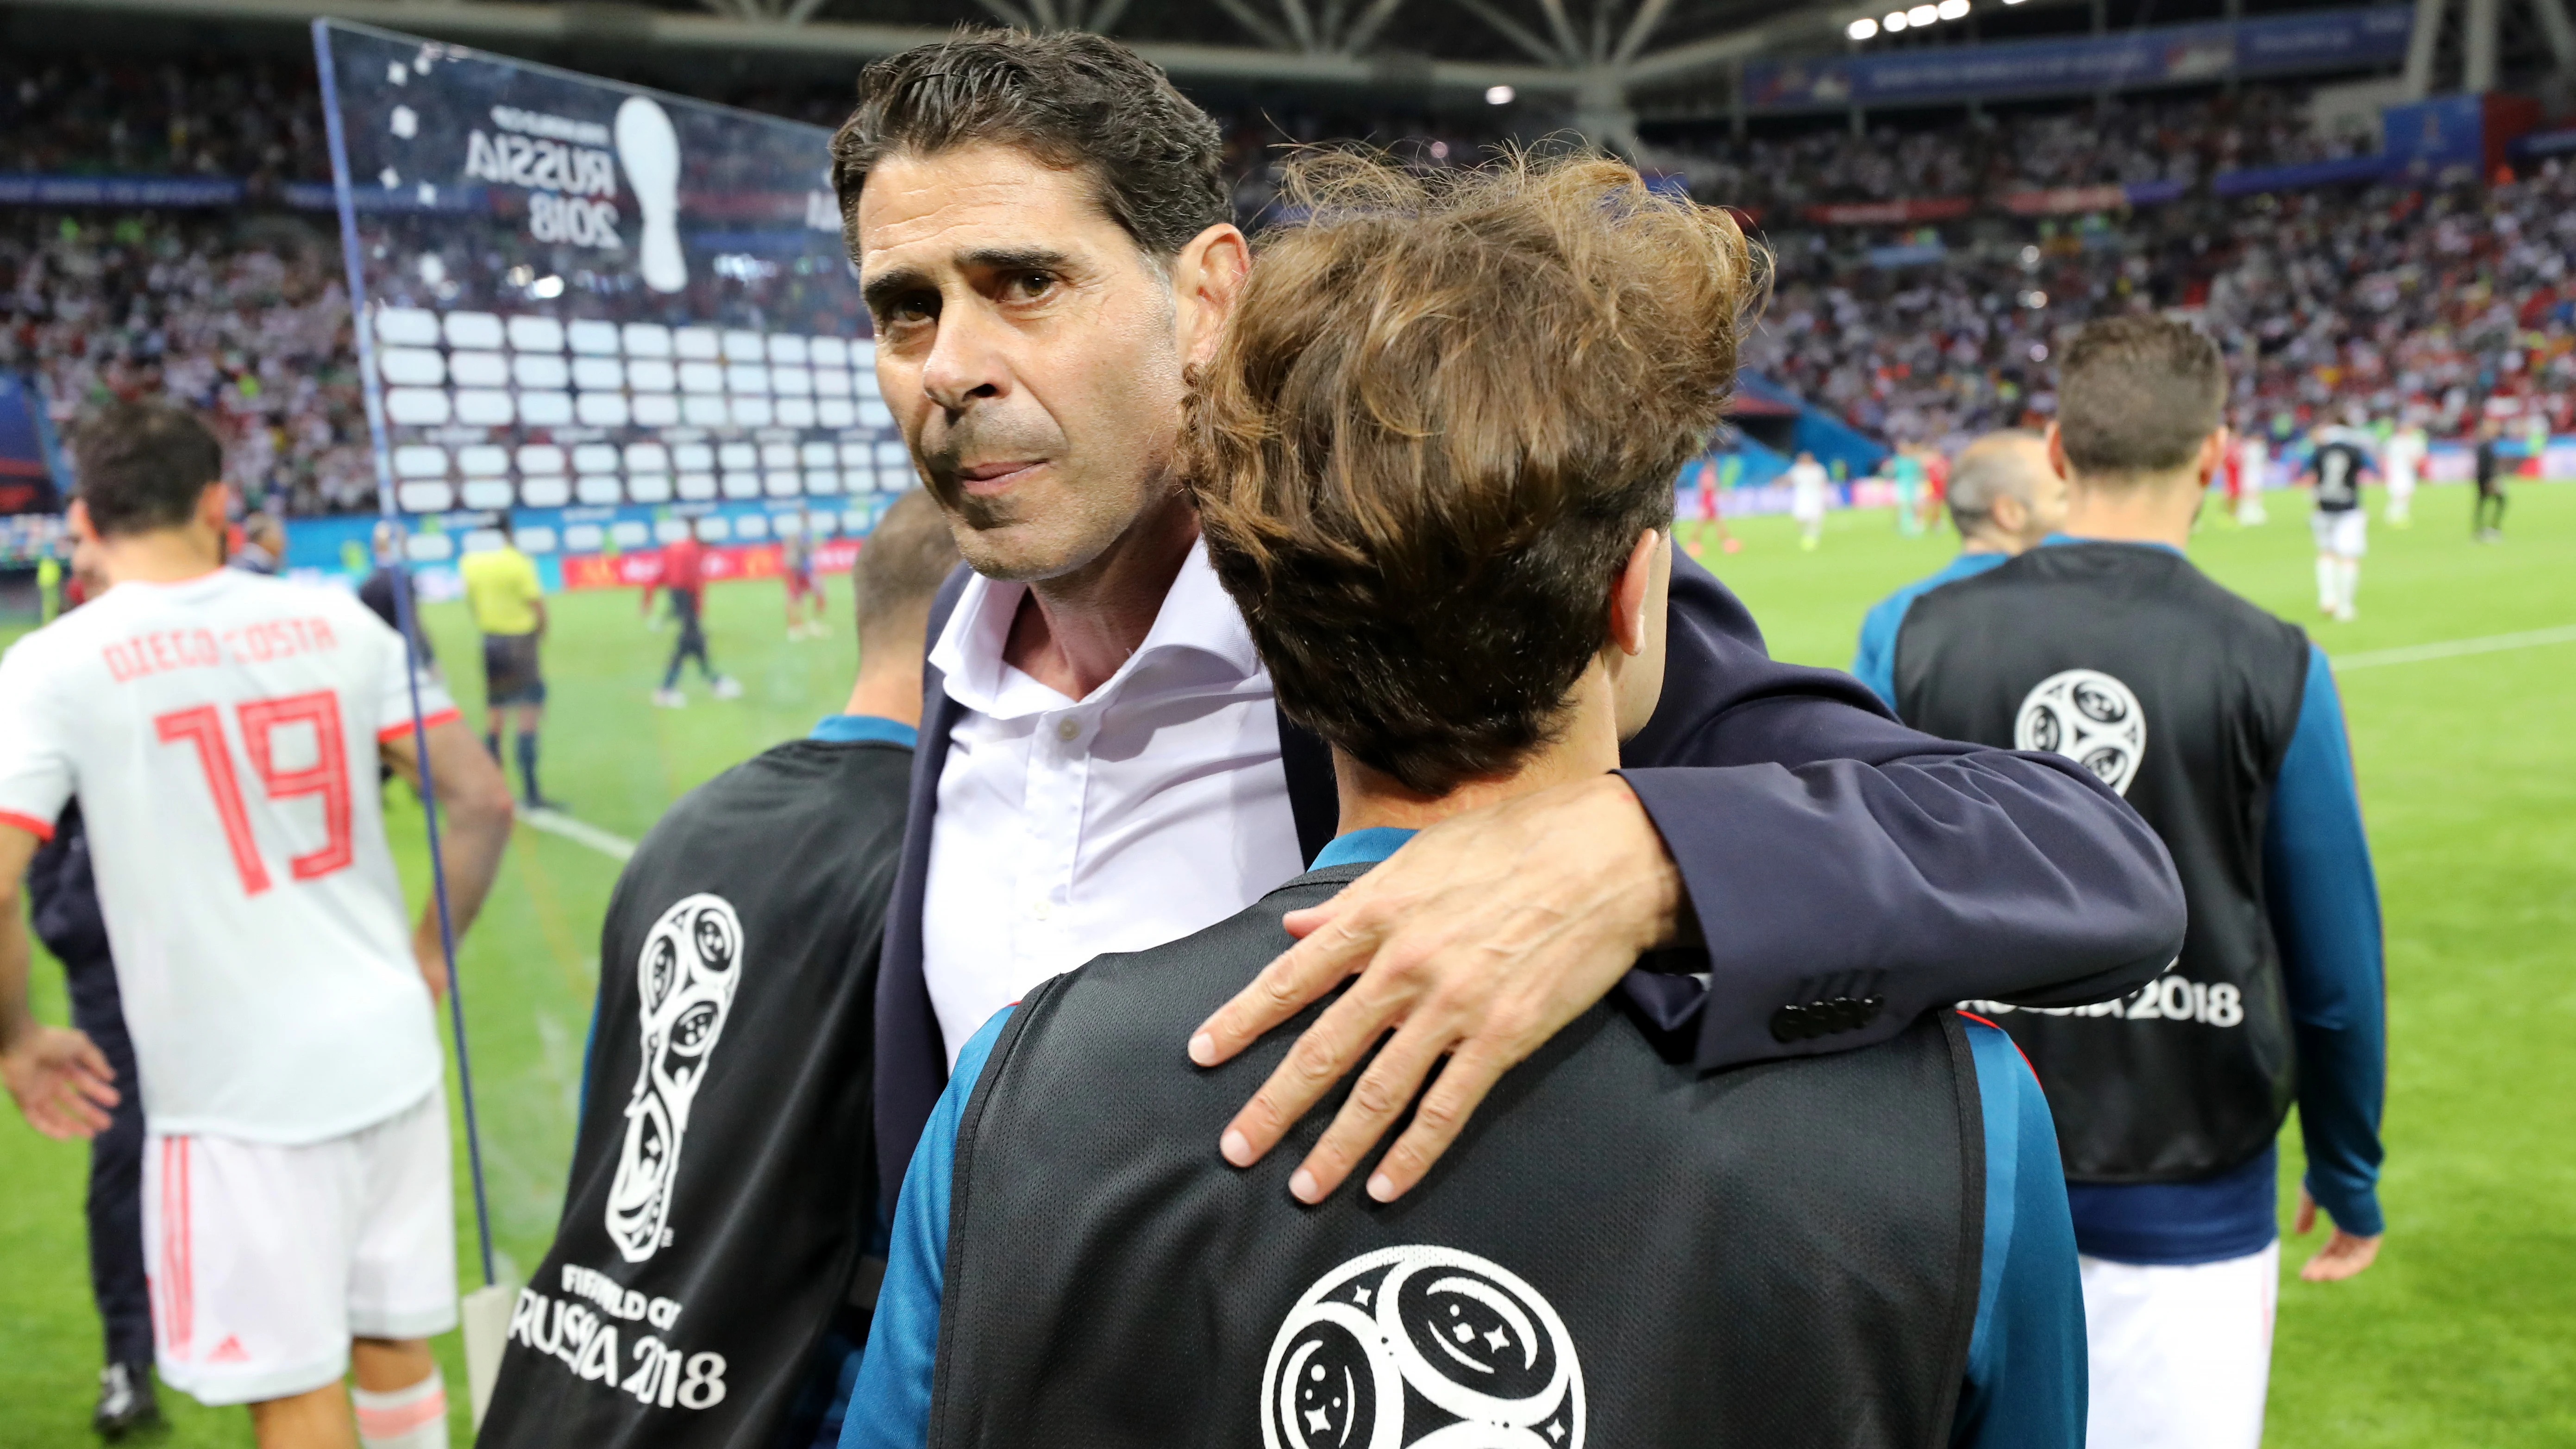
column 1848, row 872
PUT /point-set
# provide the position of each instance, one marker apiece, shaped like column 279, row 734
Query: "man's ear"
column 1632, row 591
column 2057, row 454
column 214, row 505
column 2009, row 515
column 2213, row 454
column 1207, row 277
column 83, row 530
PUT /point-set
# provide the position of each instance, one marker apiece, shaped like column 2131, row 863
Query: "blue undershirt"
column 851, row 729
column 2025, row 1384
column 2323, row 900
column 1875, row 662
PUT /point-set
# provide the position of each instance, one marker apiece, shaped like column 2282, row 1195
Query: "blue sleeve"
column 1874, row 664
column 2026, row 1360
column 890, row 1405
column 2325, row 913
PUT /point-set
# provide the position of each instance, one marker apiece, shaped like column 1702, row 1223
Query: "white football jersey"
column 221, row 736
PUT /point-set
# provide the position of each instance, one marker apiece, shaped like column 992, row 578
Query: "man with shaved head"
column 2004, row 498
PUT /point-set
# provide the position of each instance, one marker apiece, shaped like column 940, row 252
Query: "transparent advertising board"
column 611, row 315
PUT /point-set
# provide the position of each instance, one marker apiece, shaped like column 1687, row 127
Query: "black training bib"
column 2182, row 697
column 1619, row 1250
column 723, row 1177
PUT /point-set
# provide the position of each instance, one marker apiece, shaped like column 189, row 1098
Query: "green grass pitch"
column 2464, row 1334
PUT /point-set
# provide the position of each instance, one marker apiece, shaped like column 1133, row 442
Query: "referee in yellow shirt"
column 510, row 608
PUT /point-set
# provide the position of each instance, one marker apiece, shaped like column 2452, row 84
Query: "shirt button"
column 1066, row 729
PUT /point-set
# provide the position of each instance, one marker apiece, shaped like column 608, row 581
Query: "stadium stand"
column 1922, row 276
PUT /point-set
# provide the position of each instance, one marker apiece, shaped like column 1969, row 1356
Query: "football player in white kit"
column 221, row 731
column 2404, row 460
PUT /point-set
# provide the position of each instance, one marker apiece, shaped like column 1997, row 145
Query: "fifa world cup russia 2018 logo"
column 686, row 977
column 1422, row 1345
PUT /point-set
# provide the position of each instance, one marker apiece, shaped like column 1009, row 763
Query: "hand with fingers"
column 61, row 1080
column 1480, row 939
column 2344, row 1255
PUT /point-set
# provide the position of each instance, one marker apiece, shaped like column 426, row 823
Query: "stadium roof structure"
column 1581, row 61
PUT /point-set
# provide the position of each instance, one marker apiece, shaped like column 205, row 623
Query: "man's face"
column 1031, row 352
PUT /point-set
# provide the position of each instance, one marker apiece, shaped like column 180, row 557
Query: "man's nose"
column 966, row 361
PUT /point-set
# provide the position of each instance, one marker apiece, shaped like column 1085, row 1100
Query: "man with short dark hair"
column 1046, row 249
column 1469, row 615
column 2003, row 498
column 216, row 727
column 719, row 1201
column 2220, row 723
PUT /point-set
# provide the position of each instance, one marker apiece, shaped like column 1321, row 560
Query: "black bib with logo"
column 723, row 1177
column 1619, row 1250
column 2182, row 697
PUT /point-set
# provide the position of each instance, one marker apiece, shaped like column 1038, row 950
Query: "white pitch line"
column 555, row 822
column 2454, row 648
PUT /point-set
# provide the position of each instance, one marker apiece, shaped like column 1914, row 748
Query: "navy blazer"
column 1847, row 872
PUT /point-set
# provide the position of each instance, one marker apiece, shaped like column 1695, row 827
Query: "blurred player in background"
column 2486, row 521
column 2004, row 498
column 62, row 907
column 2221, row 725
column 508, row 602
column 805, row 600
column 1905, row 470
column 1807, row 483
column 1712, row 516
column 684, row 576
column 2337, row 470
column 296, row 1209
column 263, row 549
column 2253, row 467
column 742, row 1193
column 2403, row 458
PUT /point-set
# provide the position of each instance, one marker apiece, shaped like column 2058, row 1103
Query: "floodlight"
column 1863, row 28
column 1498, row 95
column 1953, row 9
column 1894, row 22
column 1922, row 15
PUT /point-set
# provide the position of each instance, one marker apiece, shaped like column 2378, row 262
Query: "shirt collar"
column 2058, row 538
column 1361, row 847
column 1196, row 615
column 851, row 729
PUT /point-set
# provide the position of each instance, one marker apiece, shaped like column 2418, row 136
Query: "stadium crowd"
column 2434, row 306
column 2438, row 306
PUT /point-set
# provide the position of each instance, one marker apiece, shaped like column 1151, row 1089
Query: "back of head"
column 1069, row 99
column 2136, row 396
column 1445, row 409
column 906, row 558
column 1999, row 465
column 142, row 466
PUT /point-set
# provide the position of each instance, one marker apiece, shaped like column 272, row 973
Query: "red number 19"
column 327, row 776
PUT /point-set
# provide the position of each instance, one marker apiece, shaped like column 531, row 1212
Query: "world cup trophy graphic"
column 649, row 147
column 2089, row 717
column 1422, row 1345
column 686, row 975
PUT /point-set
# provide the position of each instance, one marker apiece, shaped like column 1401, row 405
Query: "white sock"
column 2326, row 581
column 2348, row 586
column 412, row 1418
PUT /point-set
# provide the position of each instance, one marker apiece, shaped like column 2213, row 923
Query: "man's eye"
column 905, row 310
column 1030, row 286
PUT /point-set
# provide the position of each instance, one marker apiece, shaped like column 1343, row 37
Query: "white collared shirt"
column 1067, row 829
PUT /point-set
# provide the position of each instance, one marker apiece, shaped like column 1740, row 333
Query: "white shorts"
column 2180, row 1358
column 266, row 1260
column 2345, row 534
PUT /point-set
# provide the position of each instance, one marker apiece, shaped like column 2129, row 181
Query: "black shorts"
column 510, row 673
